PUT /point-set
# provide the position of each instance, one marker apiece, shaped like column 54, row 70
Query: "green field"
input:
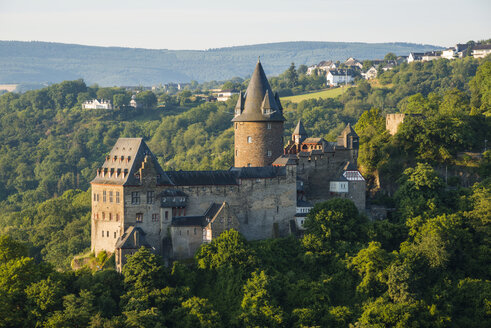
column 328, row 93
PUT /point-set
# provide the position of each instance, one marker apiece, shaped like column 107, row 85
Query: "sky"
column 198, row 24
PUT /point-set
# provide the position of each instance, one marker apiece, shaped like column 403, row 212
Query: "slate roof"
column 482, row 47
column 303, row 203
column 197, row 178
column 188, row 221
column 258, row 172
column 124, row 160
column 299, row 129
column 285, row 160
column 230, row 177
column 257, row 100
column 127, row 240
column 339, row 72
column 313, row 140
column 350, row 167
column 213, row 210
column 348, row 130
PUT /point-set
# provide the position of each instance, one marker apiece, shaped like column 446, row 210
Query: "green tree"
column 291, row 76
column 390, row 56
column 257, row 309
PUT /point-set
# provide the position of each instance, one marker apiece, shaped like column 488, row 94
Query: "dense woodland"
column 426, row 265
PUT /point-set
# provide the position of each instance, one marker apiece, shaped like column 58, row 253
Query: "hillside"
column 38, row 62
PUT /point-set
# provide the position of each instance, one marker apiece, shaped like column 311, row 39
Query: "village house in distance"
column 266, row 194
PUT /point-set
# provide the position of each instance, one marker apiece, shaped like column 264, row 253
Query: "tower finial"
column 258, row 59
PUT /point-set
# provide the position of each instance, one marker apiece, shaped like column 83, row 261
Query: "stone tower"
column 258, row 123
column 299, row 134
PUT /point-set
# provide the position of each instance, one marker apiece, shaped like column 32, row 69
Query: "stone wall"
column 255, row 153
column 186, row 241
column 259, row 204
column 107, row 217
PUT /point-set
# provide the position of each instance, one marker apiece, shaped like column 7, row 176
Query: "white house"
column 370, row 74
column 481, row 50
column 303, row 208
column 339, row 76
column 431, row 55
column 352, row 62
column 415, row 56
column 323, row 66
column 134, row 103
column 97, row 104
column 224, row 95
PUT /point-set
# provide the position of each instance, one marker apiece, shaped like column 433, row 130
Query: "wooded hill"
column 38, row 62
column 426, row 265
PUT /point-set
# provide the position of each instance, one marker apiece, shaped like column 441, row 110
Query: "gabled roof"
column 125, row 160
column 303, row 203
column 285, row 160
column 127, row 240
column 314, row 141
column 348, row 130
column 258, row 97
column 339, row 72
column 188, row 221
column 482, row 47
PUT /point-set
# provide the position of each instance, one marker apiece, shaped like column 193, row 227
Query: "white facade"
column 302, row 212
column 338, row 186
column 97, row 104
column 370, row 74
column 337, row 77
column 481, row 53
column 224, row 95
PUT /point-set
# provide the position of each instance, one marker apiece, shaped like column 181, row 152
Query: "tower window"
column 236, row 153
column 270, row 153
column 249, row 139
column 110, row 197
column 139, row 217
column 104, row 196
column 269, row 126
column 117, row 197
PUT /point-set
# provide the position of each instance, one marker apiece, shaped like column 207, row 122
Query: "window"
column 139, row 217
column 97, row 197
column 94, row 197
column 187, row 232
column 104, row 196
column 110, row 216
column 114, row 234
column 117, row 197
column 236, row 124
column 117, row 217
column 236, row 153
column 155, row 217
column 110, row 197
column 269, row 126
column 107, row 233
column 270, row 153
column 166, row 215
column 194, row 230
column 135, row 198
column 149, row 197
column 249, row 165
column 103, row 215
column 249, row 139
column 102, row 233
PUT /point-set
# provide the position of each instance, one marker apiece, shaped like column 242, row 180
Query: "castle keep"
column 136, row 203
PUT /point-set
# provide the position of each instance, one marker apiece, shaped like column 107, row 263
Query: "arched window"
column 249, row 139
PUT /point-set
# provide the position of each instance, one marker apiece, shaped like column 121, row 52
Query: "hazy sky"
column 201, row 24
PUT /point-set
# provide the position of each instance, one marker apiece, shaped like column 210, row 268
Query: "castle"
column 265, row 195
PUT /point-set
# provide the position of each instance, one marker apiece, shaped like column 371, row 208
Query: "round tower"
column 258, row 123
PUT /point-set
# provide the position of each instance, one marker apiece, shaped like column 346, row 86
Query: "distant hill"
column 39, row 62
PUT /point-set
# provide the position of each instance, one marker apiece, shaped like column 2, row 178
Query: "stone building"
column 393, row 121
column 136, row 203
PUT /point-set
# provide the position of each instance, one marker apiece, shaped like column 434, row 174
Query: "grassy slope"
column 328, row 93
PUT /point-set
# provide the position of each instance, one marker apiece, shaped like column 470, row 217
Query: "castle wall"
column 186, row 241
column 255, row 153
column 149, row 224
column 259, row 204
column 107, row 217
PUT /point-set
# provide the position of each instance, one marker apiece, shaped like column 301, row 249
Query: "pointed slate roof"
column 259, row 103
column 300, row 130
column 125, row 160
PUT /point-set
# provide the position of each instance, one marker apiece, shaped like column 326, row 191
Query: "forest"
column 426, row 265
